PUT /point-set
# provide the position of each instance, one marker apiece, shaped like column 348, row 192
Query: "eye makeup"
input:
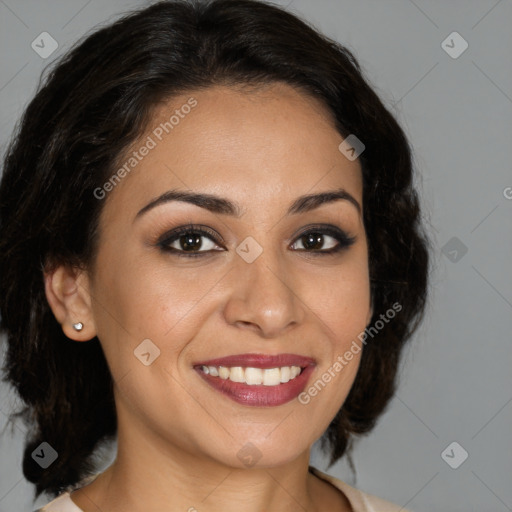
column 186, row 241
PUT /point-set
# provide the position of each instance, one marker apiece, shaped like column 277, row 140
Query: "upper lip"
column 259, row 361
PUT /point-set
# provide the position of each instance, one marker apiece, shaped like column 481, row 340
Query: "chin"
column 262, row 451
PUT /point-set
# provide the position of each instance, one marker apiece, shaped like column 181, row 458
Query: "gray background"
column 456, row 378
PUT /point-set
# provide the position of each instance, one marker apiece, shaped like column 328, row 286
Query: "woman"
column 211, row 252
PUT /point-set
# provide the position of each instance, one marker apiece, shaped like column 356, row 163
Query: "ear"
column 67, row 292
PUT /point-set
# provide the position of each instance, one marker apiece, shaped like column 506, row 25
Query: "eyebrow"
column 216, row 204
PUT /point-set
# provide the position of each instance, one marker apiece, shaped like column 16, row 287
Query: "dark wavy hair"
column 91, row 105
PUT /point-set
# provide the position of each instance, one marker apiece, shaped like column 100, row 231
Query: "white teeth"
column 285, row 374
column 271, row 377
column 223, row 372
column 254, row 376
column 237, row 374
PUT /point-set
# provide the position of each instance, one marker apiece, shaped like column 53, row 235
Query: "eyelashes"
column 187, row 241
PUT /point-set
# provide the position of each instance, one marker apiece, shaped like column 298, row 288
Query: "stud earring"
column 78, row 326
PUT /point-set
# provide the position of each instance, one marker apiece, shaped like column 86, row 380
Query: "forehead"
column 258, row 146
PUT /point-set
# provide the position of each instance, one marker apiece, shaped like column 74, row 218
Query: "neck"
column 148, row 474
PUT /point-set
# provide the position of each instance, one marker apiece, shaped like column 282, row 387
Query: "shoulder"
column 359, row 500
column 63, row 503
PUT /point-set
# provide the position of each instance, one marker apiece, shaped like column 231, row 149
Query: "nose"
column 264, row 297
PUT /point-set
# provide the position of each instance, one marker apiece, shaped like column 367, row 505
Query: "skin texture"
column 178, row 438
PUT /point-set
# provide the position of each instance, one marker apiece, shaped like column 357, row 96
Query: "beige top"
column 360, row 501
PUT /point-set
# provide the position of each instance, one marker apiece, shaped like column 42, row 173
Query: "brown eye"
column 323, row 240
column 315, row 241
column 190, row 241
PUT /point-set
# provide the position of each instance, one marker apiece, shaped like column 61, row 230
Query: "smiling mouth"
column 256, row 379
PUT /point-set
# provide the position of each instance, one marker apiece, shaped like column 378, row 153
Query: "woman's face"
column 258, row 280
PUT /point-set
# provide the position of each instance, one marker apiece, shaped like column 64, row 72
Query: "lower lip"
column 259, row 395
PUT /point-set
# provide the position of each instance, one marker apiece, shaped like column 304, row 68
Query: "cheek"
column 346, row 315
column 342, row 304
column 341, row 298
column 147, row 300
column 346, row 309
